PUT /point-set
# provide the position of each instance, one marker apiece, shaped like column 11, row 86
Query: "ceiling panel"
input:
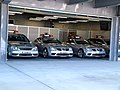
column 105, row 3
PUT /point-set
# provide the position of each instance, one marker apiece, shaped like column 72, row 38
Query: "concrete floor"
column 60, row 74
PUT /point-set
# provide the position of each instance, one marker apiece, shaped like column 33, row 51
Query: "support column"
column 114, row 38
column 3, row 29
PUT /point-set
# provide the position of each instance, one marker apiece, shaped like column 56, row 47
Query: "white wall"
column 33, row 32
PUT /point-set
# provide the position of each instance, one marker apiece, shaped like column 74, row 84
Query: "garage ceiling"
column 98, row 3
column 61, row 17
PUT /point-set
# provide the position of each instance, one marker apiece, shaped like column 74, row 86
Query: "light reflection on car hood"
column 103, row 46
column 18, row 43
column 88, row 46
column 57, row 45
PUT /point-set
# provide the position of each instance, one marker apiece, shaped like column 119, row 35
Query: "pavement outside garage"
column 60, row 74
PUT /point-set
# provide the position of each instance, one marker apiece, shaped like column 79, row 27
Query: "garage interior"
column 86, row 17
column 63, row 74
column 33, row 23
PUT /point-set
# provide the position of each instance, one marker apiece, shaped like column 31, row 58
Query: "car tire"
column 45, row 53
column 80, row 53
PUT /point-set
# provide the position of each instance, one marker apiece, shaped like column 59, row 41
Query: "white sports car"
column 82, row 48
column 51, row 47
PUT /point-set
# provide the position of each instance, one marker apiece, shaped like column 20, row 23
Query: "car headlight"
column 35, row 49
column 103, row 50
column 14, row 48
column 88, row 49
column 70, row 49
column 52, row 48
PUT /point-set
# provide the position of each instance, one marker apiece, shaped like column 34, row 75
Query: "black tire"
column 45, row 53
column 80, row 53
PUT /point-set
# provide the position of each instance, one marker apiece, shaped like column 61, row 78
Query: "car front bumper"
column 23, row 53
column 61, row 54
column 95, row 54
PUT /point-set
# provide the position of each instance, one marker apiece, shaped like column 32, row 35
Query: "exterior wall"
column 3, row 30
column 32, row 32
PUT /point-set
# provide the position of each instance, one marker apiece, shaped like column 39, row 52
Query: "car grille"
column 62, row 49
column 63, row 54
column 98, row 54
column 25, row 48
column 25, row 54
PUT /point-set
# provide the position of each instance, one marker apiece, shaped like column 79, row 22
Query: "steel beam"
column 105, row 3
column 114, row 39
column 3, row 32
column 3, row 29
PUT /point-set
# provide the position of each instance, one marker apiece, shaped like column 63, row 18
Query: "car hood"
column 87, row 45
column 57, row 45
column 91, row 46
column 103, row 46
column 18, row 43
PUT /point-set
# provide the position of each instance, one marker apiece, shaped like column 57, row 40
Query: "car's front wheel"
column 45, row 53
column 80, row 53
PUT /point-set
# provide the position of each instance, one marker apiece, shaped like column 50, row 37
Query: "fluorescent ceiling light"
column 41, row 18
column 93, row 19
column 82, row 17
column 15, row 12
column 34, row 19
column 76, row 21
column 82, row 20
column 38, row 19
column 71, row 21
column 63, row 22
column 11, row 13
column 50, row 17
column 97, row 20
column 59, row 17
column 105, row 19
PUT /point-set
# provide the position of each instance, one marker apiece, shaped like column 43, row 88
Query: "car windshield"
column 51, row 41
column 19, row 37
column 97, row 41
column 81, row 42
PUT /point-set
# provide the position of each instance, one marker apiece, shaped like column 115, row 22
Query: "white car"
column 20, row 46
column 82, row 48
column 51, row 47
